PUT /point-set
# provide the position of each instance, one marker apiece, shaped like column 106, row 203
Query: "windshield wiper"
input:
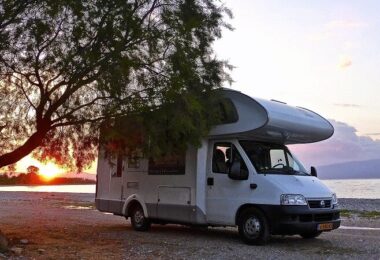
column 294, row 172
column 291, row 171
column 285, row 170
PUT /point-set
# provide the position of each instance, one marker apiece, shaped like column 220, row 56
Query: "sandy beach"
column 66, row 226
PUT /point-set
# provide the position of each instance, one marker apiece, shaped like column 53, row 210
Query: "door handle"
column 253, row 186
column 210, row 181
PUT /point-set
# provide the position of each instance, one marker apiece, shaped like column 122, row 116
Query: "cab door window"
column 224, row 154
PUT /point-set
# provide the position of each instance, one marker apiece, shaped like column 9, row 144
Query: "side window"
column 117, row 168
column 278, row 159
column 224, row 154
column 173, row 164
column 227, row 111
column 134, row 160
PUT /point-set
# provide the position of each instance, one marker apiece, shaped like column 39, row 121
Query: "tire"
column 311, row 235
column 253, row 227
column 138, row 220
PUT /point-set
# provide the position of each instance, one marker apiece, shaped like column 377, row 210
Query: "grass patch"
column 346, row 213
column 370, row 214
column 363, row 214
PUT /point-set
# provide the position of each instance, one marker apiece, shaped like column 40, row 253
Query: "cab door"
column 225, row 195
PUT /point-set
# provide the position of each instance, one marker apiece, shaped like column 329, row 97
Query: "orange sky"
column 48, row 169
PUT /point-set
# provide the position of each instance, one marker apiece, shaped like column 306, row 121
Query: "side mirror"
column 236, row 173
column 313, row 171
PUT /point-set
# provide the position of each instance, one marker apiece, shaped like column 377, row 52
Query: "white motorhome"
column 242, row 175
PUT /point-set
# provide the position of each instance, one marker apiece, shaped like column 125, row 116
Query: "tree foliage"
column 67, row 67
column 33, row 169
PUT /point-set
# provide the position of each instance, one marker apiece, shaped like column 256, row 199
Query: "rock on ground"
column 3, row 243
column 24, row 241
column 16, row 250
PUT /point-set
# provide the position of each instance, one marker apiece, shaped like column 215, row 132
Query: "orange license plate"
column 325, row 226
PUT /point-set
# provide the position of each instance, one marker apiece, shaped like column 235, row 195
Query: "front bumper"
column 291, row 220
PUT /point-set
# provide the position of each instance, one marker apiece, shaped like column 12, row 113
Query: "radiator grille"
column 319, row 204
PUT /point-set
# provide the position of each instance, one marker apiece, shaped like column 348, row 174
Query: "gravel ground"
column 360, row 204
column 65, row 226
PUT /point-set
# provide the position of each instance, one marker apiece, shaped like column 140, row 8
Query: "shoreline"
column 36, row 185
column 344, row 200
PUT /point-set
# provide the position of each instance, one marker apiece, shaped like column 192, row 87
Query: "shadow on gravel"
column 222, row 235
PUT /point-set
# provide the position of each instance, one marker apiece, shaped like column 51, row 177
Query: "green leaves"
column 81, row 63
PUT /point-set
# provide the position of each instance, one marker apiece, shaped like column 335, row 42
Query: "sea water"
column 80, row 188
column 355, row 188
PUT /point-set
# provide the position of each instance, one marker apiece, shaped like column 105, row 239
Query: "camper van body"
column 203, row 191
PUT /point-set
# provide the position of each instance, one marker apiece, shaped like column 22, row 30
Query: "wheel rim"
column 138, row 217
column 252, row 227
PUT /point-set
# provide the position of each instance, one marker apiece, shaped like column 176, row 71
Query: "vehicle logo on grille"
column 322, row 203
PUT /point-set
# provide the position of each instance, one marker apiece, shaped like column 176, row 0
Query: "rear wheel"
column 138, row 220
column 253, row 227
column 310, row 235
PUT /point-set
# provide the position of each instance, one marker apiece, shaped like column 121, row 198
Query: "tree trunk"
column 32, row 143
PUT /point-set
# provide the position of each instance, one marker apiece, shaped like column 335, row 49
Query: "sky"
column 321, row 55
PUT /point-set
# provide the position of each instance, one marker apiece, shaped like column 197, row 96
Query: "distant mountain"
column 351, row 170
column 81, row 175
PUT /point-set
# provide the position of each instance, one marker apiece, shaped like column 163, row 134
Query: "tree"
column 66, row 67
column 32, row 170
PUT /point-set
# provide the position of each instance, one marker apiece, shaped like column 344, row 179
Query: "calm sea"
column 87, row 188
column 358, row 188
column 355, row 188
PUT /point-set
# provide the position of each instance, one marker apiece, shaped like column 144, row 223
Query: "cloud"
column 344, row 146
column 319, row 36
column 345, row 24
column 347, row 105
column 374, row 134
column 350, row 45
column 345, row 62
column 329, row 30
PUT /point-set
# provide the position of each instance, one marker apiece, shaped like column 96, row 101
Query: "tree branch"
column 72, row 111
column 32, row 143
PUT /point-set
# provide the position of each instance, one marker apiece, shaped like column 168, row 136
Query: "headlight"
column 293, row 199
column 334, row 199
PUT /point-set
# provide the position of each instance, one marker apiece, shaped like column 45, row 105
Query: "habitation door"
column 224, row 195
column 116, row 184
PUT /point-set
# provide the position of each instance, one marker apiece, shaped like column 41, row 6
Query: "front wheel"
column 138, row 220
column 253, row 227
column 310, row 235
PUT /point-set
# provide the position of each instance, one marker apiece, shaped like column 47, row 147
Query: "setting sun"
column 49, row 171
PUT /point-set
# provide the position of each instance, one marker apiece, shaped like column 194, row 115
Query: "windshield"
column 270, row 158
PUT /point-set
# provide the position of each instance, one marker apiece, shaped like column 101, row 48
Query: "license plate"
column 325, row 226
